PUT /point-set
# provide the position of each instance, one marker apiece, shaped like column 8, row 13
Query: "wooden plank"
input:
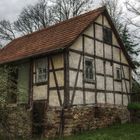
column 55, row 88
column 95, row 64
column 101, row 41
column 98, row 90
column 99, row 74
column 126, row 85
column 76, row 80
column 56, row 82
column 74, row 69
column 66, row 78
column 113, row 75
column 104, row 63
column 48, row 89
column 58, row 69
column 83, row 48
column 121, row 76
column 130, row 81
column 62, row 122
column 30, row 101
column 98, row 57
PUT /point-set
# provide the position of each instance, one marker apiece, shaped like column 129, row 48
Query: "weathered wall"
column 81, row 118
column 23, row 82
column 107, row 58
column 48, row 91
column 58, row 62
column 39, row 90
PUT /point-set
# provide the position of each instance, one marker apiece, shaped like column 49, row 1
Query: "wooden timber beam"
column 76, row 80
column 56, row 81
column 125, row 84
column 30, row 101
column 66, row 78
column 48, row 89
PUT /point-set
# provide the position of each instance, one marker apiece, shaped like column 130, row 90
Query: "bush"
column 134, row 106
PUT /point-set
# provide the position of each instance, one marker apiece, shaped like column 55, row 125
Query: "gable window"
column 118, row 74
column 41, row 70
column 89, row 70
column 107, row 35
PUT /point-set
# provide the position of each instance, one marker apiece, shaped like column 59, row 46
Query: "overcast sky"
column 10, row 9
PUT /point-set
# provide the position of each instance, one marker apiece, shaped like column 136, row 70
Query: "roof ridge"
column 63, row 22
column 45, row 40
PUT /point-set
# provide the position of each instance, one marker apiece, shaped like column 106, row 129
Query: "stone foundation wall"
column 83, row 118
column 68, row 121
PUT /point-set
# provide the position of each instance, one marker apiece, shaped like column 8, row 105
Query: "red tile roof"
column 49, row 39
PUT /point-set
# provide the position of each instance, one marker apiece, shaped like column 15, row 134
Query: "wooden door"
column 38, row 116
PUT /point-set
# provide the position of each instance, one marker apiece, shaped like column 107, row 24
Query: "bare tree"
column 134, row 20
column 65, row 9
column 42, row 14
column 115, row 12
column 121, row 24
column 6, row 30
column 34, row 18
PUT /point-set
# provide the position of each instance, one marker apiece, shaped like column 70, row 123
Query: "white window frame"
column 87, row 79
column 41, row 69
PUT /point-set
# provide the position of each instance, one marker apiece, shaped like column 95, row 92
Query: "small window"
column 41, row 70
column 107, row 35
column 118, row 74
column 89, row 72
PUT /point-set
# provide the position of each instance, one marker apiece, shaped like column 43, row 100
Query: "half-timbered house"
column 75, row 75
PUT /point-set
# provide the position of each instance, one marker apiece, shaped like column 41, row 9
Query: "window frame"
column 44, row 63
column 107, row 35
column 86, row 79
column 120, row 74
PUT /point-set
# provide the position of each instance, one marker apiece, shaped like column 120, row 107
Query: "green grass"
column 118, row 132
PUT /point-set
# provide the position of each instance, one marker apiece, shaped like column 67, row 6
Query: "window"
column 118, row 74
column 41, row 70
column 107, row 35
column 89, row 72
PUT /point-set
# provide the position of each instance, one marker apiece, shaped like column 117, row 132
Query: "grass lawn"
column 118, row 132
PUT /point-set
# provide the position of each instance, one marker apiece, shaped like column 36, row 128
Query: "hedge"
column 134, row 106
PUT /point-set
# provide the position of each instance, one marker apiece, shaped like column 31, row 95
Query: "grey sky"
column 10, row 9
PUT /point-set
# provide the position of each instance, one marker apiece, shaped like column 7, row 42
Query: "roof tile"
column 48, row 39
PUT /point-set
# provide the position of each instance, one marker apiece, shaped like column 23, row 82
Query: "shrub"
column 134, row 106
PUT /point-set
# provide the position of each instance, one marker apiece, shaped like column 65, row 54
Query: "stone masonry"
column 83, row 118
